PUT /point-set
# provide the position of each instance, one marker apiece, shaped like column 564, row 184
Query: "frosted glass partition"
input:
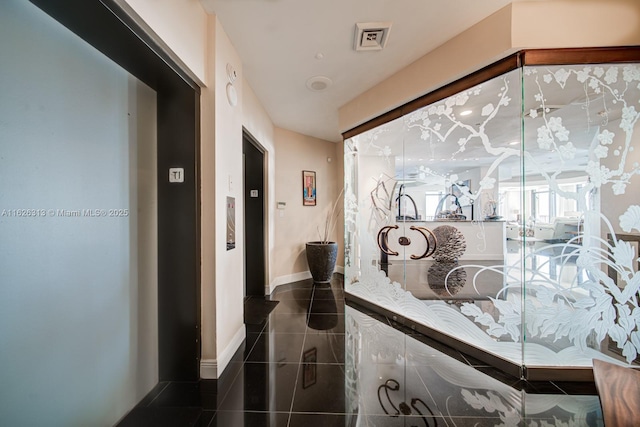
column 531, row 253
column 581, row 127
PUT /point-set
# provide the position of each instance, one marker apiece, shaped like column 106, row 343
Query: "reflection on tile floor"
column 315, row 361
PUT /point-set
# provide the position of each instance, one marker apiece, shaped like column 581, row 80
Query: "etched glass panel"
column 446, row 265
column 581, row 126
column 537, row 225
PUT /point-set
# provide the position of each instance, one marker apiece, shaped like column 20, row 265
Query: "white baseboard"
column 208, row 369
column 288, row 278
column 295, row 277
column 211, row 369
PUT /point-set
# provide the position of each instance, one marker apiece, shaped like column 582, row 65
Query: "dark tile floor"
column 316, row 361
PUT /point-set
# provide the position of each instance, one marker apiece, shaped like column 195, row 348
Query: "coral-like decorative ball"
column 450, row 243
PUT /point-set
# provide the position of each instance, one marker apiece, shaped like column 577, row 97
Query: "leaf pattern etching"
column 592, row 307
column 582, row 313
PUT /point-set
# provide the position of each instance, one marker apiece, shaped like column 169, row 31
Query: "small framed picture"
column 308, row 188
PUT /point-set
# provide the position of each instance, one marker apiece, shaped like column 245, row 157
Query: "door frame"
column 250, row 139
column 116, row 32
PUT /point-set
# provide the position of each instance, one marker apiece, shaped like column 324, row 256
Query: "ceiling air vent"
column 371, row 35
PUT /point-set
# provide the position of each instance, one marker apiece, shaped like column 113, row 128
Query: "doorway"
column 254, row 216
column 113, row 33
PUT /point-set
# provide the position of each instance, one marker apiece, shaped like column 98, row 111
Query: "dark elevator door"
column 254, row 241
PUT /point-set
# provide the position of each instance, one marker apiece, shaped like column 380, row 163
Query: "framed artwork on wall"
column 308, row 188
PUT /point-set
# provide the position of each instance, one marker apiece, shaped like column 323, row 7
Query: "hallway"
column 316, row 361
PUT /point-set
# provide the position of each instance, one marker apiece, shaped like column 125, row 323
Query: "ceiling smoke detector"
column 371, row 35
column 318, row 83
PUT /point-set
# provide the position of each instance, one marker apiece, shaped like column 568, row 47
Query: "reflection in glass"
column 546, row 167
column 446, row 278
column 392, row 376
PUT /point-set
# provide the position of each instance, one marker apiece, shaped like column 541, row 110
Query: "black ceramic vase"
column 321, row 257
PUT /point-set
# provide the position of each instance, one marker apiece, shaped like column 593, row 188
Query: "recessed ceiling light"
column 465, row 112
column 318, row 83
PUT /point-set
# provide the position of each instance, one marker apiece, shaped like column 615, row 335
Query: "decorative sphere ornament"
column 451, row 243
column 445, row 279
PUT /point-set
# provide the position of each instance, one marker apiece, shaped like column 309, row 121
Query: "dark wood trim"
column 558, row 374
column 373, row 123
column 568, row 56
column 178, row 239
column 487, row 73
column 565, row 56
column 618, row 389
column 105, row 26
column 154, row 45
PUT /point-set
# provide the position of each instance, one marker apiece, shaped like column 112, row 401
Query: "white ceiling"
column 278, row 41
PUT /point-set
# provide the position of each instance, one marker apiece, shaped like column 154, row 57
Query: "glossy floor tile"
column 315, row 361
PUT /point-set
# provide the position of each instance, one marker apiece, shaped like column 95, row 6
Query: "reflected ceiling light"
column 514, row 143
column 465, row 112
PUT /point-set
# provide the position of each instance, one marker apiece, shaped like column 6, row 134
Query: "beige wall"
column 480, row 45
column 229, row 272
column 576, row 23
column 536, row 24
column 208, row 203
column 206, row 50
column 186, row 33
column 297, row 224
